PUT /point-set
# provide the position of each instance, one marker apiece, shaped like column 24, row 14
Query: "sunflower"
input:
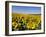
column 33, row 23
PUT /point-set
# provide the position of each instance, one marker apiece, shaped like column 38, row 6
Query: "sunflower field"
column 26, row 22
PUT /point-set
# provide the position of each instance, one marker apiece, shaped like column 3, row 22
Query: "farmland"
column 26, row 22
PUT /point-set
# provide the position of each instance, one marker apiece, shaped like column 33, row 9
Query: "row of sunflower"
column 25, row 22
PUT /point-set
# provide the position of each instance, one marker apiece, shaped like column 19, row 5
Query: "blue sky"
column 26, row 9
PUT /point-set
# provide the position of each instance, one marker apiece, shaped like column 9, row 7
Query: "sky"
column 26, row 9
